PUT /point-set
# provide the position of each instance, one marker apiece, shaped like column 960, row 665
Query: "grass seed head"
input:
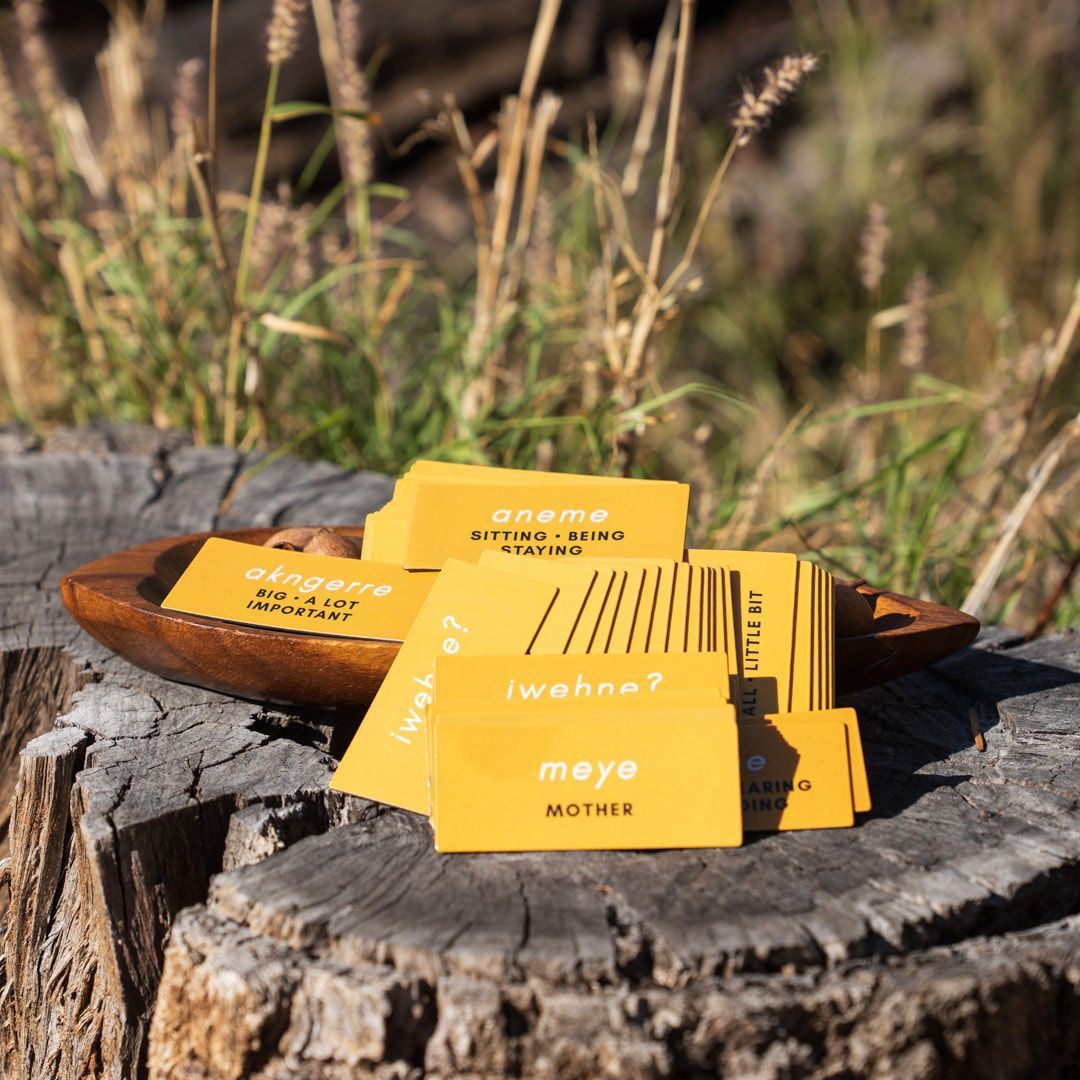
column 915, row 343
column 186, row 96
column 10, row 120
column 756, row 110
column 353, row 93
column 872, row 244
column 283, row 30
column 29, row 16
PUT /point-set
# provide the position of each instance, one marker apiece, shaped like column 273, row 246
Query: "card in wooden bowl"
column 118, row 600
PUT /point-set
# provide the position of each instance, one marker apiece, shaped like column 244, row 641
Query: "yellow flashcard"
column 574, row 582
column 602, row 631
column 388, row 542
column 734, row 628
column 693, row 615
column 817, row 653
column 593, row 609
column 818, row 680
column 661, row 616
column 705, row 632
column 639, row 637
column 622, row 629
column 860, row 785
column 370, row 525
column 725, row 618
column 294, row 590
column 827, row 641
column 526, row 782
column 799, row 692
column 712, row 594
column 823, row 637
column 795, row 775
column 646, row 519
column 764, row 605
column 709, row 701
column 680, row 608
column 727, row 636
column 470, row 609
column 814, row 626
column 815, row 646
column 605, row 679
column 830, row 643
column 708, row 593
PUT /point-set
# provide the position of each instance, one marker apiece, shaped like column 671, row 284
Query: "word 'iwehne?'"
column 581, row 688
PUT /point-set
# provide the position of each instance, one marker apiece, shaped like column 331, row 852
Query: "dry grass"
column 845, row 335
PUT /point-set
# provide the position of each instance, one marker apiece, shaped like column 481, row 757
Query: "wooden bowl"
column 908, row 634
column 117, row 600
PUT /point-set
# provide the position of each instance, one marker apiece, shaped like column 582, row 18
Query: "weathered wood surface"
column 122, row 814
column 938, row 938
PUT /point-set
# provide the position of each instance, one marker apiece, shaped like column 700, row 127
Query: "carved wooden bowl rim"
column 116, row 599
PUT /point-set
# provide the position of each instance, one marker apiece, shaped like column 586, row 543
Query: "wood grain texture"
column 121, row 816
column 906, row 635
column 117, row 600
column 189, row 901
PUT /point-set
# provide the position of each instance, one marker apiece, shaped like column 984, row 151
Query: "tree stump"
column 188, row 900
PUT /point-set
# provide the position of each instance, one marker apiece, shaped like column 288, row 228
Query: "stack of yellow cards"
column 541, row 753
column 513, row 684
column 779, row 610
column 511, row 604
column 442, row 511
column 570, row 677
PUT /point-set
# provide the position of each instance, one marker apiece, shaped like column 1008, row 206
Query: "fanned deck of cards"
column 576, row 679
column 570, row 677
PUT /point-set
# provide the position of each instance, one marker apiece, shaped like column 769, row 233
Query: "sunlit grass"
column 888, row 431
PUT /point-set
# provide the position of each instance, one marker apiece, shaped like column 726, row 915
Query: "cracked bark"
column 937, row 939
column 189, row 901
column 124, row 804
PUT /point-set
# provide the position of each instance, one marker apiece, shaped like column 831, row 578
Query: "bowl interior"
column 891, row 612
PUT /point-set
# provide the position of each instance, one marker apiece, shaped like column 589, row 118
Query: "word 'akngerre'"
column 277, row 576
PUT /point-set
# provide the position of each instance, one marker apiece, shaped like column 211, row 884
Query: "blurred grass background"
column 868, row 355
